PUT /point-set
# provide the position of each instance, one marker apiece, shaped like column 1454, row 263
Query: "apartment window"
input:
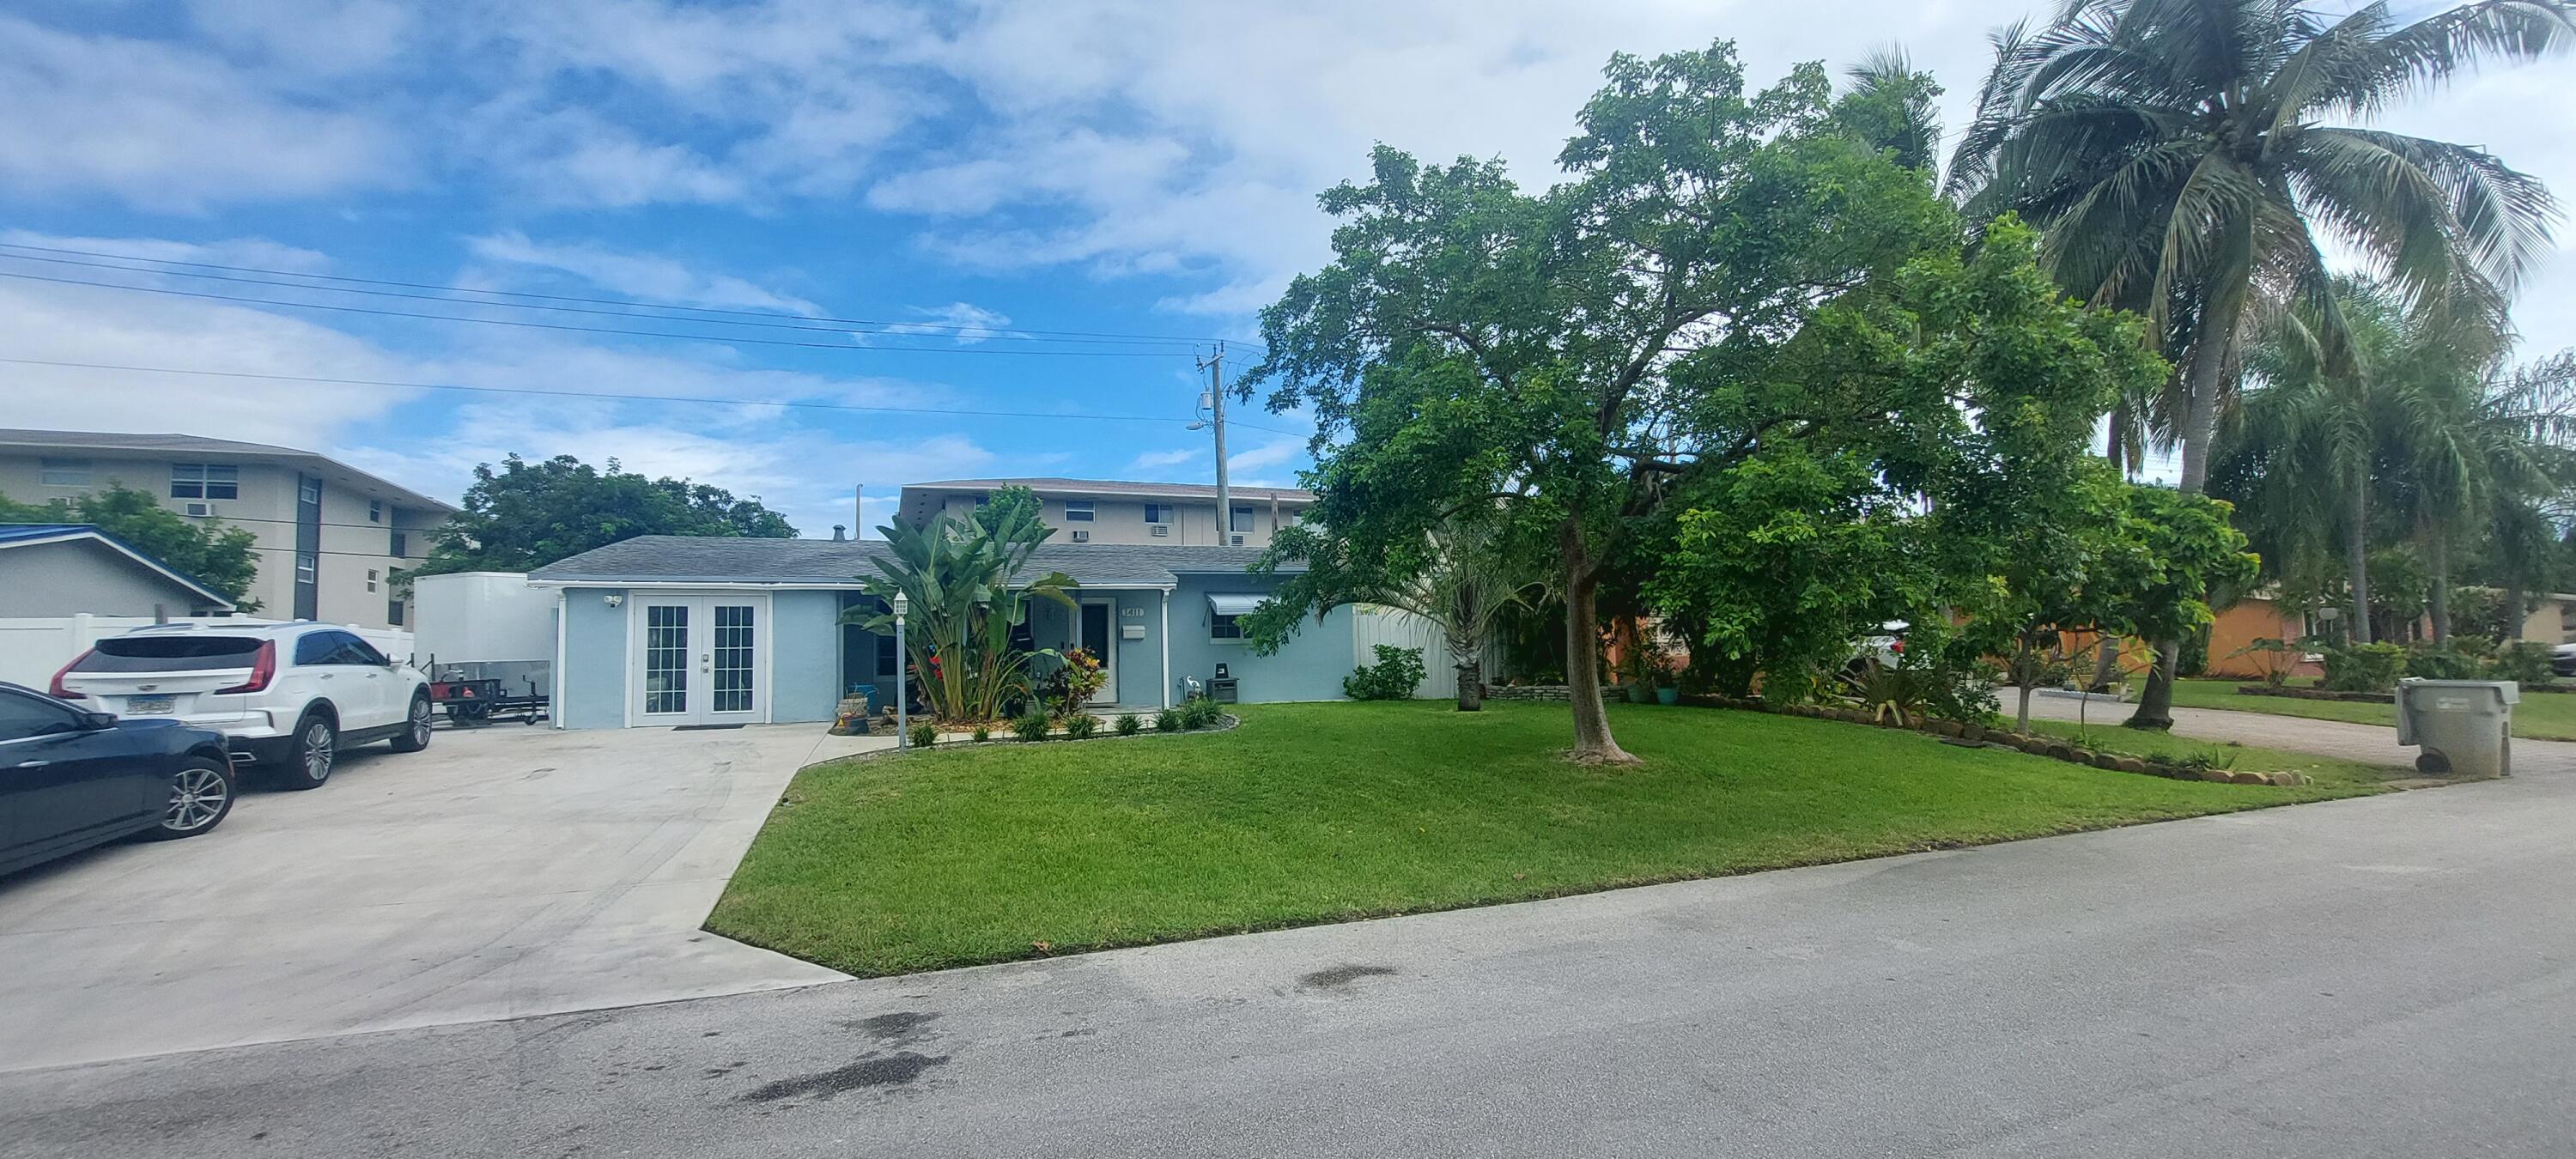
column 205, row 481
column 308, row 489
column 887, row 666
column 1077, row 510
column 1158, row 513
column 305, row 565
column 1223, row 626
column 401, row 545
column 983, row 501
column 375, row 510
column 393, row 612
column 1242, row 519
column 63, row 472
column 371, row 579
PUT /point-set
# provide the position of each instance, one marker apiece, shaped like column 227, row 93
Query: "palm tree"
column 2187, row 160
column 967, row 589
column 2482, row 445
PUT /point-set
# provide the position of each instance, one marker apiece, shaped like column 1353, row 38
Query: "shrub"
column 2433, row 662
column 1167, row 721
column 1128, row 725
column 2526, row 661
column 2270, row 658
column 2365, row 667
column 925, row 735
column 1075, row 681
column 983, row 733
column 1396, row 674
column 1081, row 725
column 1199, row 712
column 1032, row 726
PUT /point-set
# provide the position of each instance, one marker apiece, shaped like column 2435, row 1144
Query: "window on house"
column 1242, row 519
column 394, row 612
column 64, row 472
column 401, row 545
column 887, row 665
column 1225, row 612
column 375, row 510
column 1158, row 513
column 308, row 489
column 1077, row 510
column 1222, row 626
column 371, row 579
column 305, row 565
column 205, row 481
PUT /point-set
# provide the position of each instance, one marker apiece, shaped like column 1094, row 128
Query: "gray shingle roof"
column 709, row 559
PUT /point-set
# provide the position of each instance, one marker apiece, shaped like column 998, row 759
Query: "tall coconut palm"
column 2480, row 450
column 2191, row 160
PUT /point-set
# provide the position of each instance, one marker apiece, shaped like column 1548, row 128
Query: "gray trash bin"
column 2463, row 726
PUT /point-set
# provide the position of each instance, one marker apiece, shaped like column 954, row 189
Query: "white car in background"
column 289, row 696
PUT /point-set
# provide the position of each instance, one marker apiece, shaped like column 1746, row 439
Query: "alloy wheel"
column 420, row 723
column 197, row 798
column 317, row 750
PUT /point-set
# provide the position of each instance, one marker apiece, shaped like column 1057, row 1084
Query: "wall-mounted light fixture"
column 612, row 599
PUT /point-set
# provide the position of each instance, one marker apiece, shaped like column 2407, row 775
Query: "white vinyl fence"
column 1375, row 624
column 31, row 649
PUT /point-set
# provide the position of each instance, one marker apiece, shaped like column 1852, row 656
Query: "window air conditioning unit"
column 201, row 510
column 1082, row 537
column 1163, row 529
column 1234, row 540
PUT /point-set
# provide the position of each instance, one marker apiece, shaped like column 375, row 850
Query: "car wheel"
column 415, row 734
column 310, row 758
column 201, row 796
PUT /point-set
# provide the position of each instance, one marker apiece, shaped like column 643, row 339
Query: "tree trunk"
column 2207, row 372
column 1593, row 744
column 2438, row 553
column 2022, row 678
column 2106, row 662
column 1471, row 685
column 2514, row 614
column 2356, row 558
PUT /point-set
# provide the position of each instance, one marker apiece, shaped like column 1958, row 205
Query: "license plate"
column 149, row 705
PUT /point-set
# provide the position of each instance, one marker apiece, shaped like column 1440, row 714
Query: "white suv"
column 290, row 696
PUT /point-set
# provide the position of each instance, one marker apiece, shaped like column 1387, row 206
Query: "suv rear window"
column 169, row 654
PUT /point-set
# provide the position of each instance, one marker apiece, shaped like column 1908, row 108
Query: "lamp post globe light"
column 902, row 684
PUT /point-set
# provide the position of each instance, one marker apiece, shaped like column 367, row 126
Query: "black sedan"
column 71, row 779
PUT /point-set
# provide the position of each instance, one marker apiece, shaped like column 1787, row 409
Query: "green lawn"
column 1328, row 812
column 2540, row 716
column 2331, row 771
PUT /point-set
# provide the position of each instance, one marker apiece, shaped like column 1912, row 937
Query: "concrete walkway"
column 2368, row 743
column 504, row 872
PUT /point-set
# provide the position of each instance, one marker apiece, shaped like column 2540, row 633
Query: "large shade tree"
column 1563, row 358
column 2195, row 159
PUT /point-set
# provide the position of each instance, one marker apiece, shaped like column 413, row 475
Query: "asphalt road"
column 2382, row 977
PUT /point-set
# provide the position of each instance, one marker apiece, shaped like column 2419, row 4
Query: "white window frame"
column 205, row 481
column 308, row 567
column 1158, row 513
column 371, row 579
column 63, row 472
column 375, row 510
column 1080, row 511
column 1245, row 510
column 308, row 489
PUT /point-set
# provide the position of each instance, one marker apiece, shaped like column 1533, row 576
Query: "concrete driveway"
column 504, row 872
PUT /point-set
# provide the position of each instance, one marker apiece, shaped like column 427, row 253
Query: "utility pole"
column 1215, row 364
column 859, row 511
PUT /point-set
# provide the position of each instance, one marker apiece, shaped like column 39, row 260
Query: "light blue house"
column 679, row 630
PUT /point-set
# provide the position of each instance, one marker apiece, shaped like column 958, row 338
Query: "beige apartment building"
column 1110, row 511
column 330, row 535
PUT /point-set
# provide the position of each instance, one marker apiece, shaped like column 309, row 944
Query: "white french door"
column 698, row 659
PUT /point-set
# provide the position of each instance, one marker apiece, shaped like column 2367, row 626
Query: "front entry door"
column 700, row 660
column 1099, row 638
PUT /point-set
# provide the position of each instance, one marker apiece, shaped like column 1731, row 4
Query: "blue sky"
column 1116, row 167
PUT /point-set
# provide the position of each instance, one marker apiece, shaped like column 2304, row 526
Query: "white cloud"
column 963, row 322
column 168, row 128
column 633, row 275
column 1155, row 461
column 248, row 252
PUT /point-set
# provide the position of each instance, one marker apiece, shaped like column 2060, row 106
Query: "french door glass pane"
column 666, row 658
column 733, row 658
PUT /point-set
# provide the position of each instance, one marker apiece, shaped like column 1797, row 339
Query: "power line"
column 716, row 338
column 893, row 328
column 542, row 391
column 989, row 331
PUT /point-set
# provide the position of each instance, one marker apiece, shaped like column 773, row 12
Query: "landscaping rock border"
column 1224, row 723
column 2036, row 744
column 1551, row 692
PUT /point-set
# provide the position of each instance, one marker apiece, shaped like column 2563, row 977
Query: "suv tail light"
column 263, row 668
column 1896, row 646
column 57, row 689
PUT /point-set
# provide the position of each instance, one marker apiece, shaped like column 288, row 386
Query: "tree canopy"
column 527, row 515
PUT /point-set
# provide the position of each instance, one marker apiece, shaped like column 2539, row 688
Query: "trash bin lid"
column 2506, row 691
